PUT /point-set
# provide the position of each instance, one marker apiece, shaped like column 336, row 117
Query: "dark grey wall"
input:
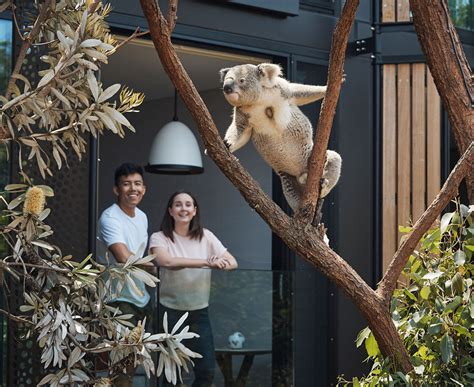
column 223, row 210
column 354, row 210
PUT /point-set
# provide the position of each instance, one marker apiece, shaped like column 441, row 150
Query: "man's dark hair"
column 127, row 169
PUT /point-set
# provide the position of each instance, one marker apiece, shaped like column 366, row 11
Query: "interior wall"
column 240, row 300
column 223, row 210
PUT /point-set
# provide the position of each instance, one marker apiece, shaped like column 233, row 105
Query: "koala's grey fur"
column 266, row 110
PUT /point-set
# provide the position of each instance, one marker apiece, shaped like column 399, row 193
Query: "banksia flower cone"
column 34, row 201
column 103, row 382
column 136, row 334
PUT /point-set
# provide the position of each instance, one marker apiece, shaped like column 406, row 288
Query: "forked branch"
column 328, row 110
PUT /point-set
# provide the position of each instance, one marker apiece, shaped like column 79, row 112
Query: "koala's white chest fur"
column 282, row 143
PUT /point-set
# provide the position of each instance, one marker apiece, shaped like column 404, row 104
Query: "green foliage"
column 433, row 310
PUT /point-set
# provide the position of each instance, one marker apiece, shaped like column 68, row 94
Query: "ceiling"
column 137, row 65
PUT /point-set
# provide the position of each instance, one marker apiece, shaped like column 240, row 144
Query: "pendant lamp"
column 175, row 150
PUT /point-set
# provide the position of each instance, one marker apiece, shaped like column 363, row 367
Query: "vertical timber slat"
column 389, row 183
column 403, row 11
column 388, row 10
column 433, row 140
column 403, row 149
column 418, row 140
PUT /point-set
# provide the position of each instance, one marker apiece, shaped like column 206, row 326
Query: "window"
column 462, row 13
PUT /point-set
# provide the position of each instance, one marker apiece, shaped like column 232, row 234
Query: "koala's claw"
column 324, row 183
column 227, row 143
column 302, row 178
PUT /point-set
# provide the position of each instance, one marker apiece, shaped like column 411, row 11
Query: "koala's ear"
column 269, row 72
column 223, row 72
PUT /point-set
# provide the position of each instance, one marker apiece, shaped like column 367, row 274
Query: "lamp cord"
column 175, row 117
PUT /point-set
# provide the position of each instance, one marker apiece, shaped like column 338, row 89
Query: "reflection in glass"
column 462, row 13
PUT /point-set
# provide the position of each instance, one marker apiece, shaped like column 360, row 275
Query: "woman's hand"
column 216, row 262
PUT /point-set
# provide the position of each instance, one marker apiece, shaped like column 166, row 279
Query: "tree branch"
column 172, row 18
column 409, row 242
column 328, row 110
column 136, row 34
column 32, row 265
column 16, row 318
column 42, row 16
column 450, row 70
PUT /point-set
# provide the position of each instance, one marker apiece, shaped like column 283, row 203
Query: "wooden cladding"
column 411, row 148
column 395, row 11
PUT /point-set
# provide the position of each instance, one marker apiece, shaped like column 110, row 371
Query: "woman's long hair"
column 167, row 224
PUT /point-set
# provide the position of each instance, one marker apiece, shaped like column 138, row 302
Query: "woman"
column 185, row 251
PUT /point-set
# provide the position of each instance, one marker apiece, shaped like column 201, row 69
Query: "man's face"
column 130, row 190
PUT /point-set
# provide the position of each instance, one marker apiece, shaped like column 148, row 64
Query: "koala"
column 266, row 110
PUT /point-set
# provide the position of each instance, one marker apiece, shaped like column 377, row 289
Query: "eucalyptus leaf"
column 446, row 346
column 445, row 219
column 433, row 275
column 371, row 345
column 459, row 258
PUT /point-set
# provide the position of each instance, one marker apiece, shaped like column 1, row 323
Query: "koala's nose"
column 228, row 88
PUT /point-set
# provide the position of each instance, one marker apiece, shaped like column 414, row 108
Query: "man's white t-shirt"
column 115, row 226
column 186, row 289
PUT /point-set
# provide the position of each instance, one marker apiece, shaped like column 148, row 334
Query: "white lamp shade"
column 175, row 151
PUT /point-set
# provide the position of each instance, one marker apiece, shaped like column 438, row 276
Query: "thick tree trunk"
column 299, row 236
column 450, row 69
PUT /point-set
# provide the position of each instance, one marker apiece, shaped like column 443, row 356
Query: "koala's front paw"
column 324, row 185
column 227, row 143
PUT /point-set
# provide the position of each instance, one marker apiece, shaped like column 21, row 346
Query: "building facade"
column 390, row 130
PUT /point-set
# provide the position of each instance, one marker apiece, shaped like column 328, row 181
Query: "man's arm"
column 120, row 252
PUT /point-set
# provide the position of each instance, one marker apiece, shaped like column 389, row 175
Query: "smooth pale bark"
column 450, row 70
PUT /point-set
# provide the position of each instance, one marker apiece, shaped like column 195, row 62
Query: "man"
column 123, row 228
